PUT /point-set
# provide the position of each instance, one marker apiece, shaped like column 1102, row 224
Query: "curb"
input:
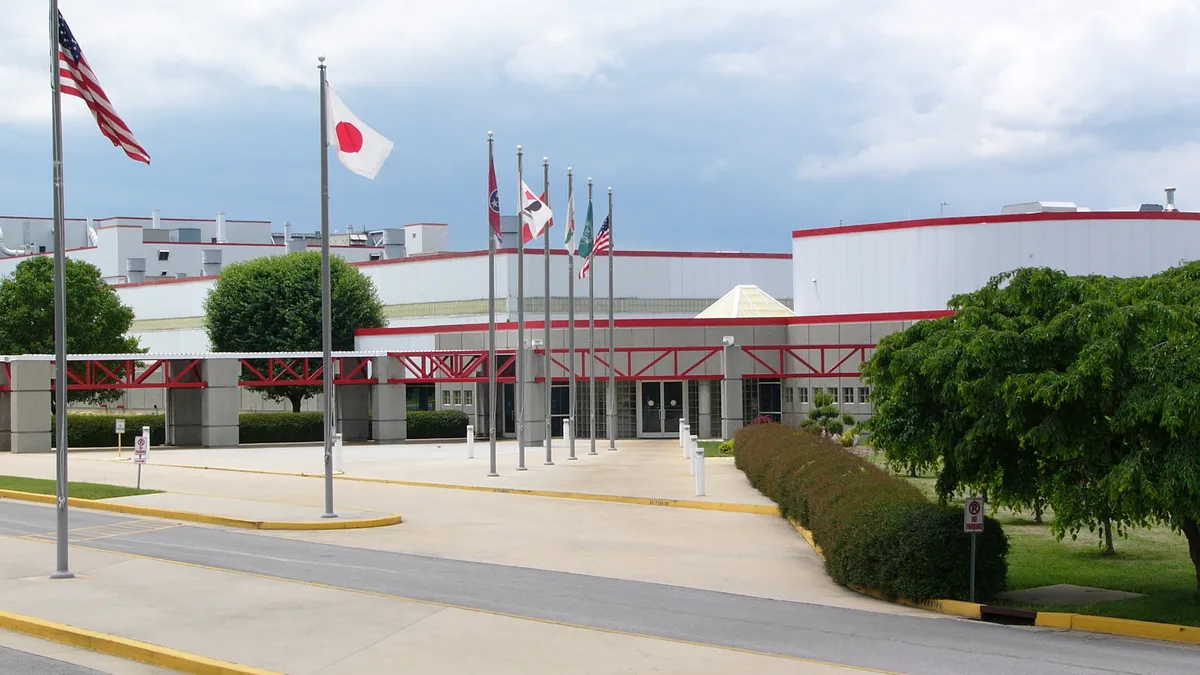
column 727, row 507
column 205, row 518
column 125, row 648
column 1064, row 621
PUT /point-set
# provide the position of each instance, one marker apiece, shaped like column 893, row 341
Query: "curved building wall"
column 918, row 265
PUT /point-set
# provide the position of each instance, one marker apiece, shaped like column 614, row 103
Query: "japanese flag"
column 360, row 148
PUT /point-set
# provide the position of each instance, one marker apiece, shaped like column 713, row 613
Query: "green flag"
column 585, row 241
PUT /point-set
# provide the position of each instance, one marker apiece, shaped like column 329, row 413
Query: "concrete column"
column 185, row 407
column 535, row 399
column 354, row 404
column 29, row 406
column 5, row 412
column 731, row 392
column 705, row 421
column 221, row 403
column 389, row 403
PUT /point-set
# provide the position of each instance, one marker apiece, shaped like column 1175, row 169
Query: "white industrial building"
column 797, row 322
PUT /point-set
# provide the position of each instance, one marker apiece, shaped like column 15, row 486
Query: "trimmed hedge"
column 89, row 430
column 437, row 424
column 877, row 531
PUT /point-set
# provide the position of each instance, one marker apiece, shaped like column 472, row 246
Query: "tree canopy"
column 274, row 304
column 1043, row 388
column 97, row 321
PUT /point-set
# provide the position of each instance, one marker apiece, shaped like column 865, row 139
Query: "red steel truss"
column 277, row 372
column 93, row 375
column 807, row 361
column 632, row 363
column 463, row 366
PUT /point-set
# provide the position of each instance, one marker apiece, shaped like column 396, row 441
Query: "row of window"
column 801, row 394
column 457, row 397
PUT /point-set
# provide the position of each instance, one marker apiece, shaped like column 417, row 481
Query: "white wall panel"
column 920, row 268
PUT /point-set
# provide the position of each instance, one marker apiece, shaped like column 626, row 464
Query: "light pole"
column 942, row 209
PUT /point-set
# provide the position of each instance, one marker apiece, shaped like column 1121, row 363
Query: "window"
column 803, row 394
column 864, row 394
column 446, row 397
column 458, row 397
column 833, row 392
column 848, row 394
column 789, row 395
column 468, row 397
column 164, row 254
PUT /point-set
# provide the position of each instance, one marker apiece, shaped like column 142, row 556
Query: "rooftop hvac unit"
column 211, row 256
column 135, row 269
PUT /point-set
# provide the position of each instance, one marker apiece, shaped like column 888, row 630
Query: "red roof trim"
column 34, row 255
column 664, row 323
column 184, row 220
column 1003, row 218
column 665, row 254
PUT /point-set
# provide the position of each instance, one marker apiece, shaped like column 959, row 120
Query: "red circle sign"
column 974, row 508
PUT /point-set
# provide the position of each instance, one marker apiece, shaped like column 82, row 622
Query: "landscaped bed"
column 78, row 490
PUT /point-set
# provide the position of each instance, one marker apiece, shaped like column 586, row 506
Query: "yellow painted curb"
column 728, row 507
column 205, row 518
column 124, row 647
column 1125, row 627
column 970, row 610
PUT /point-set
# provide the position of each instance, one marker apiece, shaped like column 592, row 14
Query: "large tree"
column 1043, row 388
column 97, row 321
column 273, row 304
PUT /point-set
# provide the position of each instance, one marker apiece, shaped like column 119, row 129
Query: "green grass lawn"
column 1150, row 561
column 712, row 449
column 80, row 490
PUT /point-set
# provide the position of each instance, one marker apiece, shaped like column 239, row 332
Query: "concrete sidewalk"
column 754, row 555
column 75, row 656
column 247, row 509
column 302, row 629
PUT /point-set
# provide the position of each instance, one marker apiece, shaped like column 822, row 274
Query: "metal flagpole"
column 62, row 569
column 546, row 331
column 326, row 314
column 520, row 403
column 592, row 337
column 571, row 310
column 612, row 345
column 493, row 199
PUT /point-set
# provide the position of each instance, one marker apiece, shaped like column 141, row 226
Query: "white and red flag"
column 536, row 216
column 360, row 148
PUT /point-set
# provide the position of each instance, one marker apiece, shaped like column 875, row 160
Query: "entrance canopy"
column 745, row 302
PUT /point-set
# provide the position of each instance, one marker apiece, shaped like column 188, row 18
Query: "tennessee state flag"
column 493, row 201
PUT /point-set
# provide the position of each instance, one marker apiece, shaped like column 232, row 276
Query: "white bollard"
column 690, row 449
column 470, row 441
column 685, row 432
column 567, row 432
column 338, row 466
column 699, row 461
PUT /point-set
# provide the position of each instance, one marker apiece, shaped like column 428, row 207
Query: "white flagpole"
column 612, row 345
column 546, row 331
column 571, row 310
column 520, row 388
column 62, row 569
column 491, row 324
column 326, row 304
column 592, row 337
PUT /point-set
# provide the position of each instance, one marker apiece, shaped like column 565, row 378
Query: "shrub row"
column 876, row 531
column 88, row 430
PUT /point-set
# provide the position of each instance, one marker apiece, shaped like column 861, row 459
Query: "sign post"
column 141, row 452
column 120, row 431
column 973, row 525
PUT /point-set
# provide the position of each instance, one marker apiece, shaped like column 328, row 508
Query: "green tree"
column 1044, row 389
column 97, row 321
column 824, row 417
column 273, row 304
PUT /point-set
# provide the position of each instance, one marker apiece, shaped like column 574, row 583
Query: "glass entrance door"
column 660, row 407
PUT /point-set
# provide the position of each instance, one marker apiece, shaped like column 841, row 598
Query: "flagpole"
column 326, row 313
column 491, row 324
column 546, row 331
column 62, row 569
column 592, row 338
column 571, row 311
column 520, row 402
column 612, row 346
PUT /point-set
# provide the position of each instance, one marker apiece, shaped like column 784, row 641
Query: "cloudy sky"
column 720, row 124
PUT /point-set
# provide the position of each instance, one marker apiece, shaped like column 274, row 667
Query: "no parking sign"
column 141, row 449
column 973, row 515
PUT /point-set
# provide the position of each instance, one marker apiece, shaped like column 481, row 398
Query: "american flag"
column 77, row 79
column 603, row 239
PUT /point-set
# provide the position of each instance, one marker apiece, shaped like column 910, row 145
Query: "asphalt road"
column 14, row 662
column 912, row 645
